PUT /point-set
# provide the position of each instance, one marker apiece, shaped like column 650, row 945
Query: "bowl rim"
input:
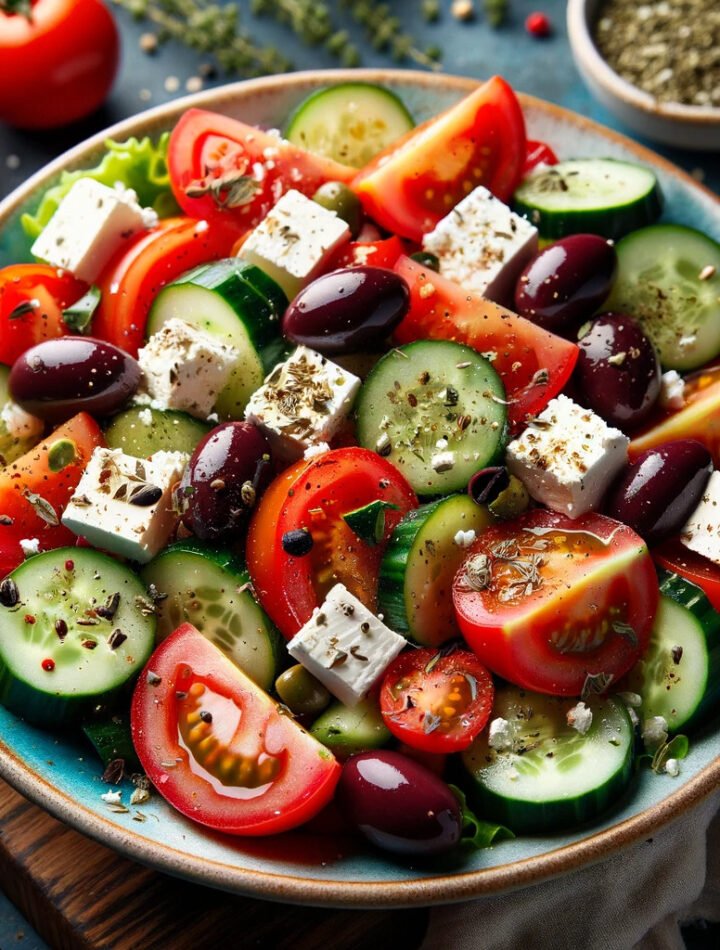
column 292, row 888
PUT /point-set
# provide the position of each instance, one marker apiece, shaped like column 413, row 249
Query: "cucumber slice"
column 347, row 731
column 553, row 777
column 49, row 673
column 349, row 123
column 669, row 280
column 437, row 411
column 210, row 589
column 12, row 445
column 111, row 740
column 590, row 195
column 141, row 431
column 419, row 565
column 240, row 305
column 678, row 677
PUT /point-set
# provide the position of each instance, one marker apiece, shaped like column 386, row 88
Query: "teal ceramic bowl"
column 63, row 776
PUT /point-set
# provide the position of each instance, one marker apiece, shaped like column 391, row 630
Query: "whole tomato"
column 58, row 60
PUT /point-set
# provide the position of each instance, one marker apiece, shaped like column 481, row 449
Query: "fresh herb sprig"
column 312, row 22
column 385, row 33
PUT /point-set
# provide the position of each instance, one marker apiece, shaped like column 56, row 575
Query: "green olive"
column 337, row 197
column 426, row 259
column 301, row 692
column 512, row 501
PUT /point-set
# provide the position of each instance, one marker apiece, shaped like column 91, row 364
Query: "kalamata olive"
column 618, row 373
column 398, row 804
column 566, row 282
column 347, row 310
column 58, row 378
column 656, row 494
column 227, row 472
column 338, row 197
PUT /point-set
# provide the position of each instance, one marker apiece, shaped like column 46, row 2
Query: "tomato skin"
column 414, row 183
column 58, row 65
column 675, row 557
column 315, row 495
column 538, row 153
column 54, row 291
column 429, row 679
column 594, row 573
column 307, row 773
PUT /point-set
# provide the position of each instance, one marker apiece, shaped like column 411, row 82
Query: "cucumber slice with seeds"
column 142, row 431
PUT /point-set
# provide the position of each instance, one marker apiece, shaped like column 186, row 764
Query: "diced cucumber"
column 552, row 777
column 210, row 589
column 437, row 411
column 141, row 431
column 240, row 305
column 79, row 631
column 111, row 740
column 350, row 122
column 11, row 446
column 669, row 280
column 590, row 195
column 678, row 677
column 347, row 731
column 420, row 563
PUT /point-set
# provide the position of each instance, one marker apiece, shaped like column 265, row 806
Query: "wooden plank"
column 79, row 895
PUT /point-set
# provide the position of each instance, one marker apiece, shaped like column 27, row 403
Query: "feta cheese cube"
column 185, row 368
column 345, row 646
column 294, row 241
column 302, row 403
column 124, row 504
column 701, row 532
column 579, row 718
column 483, row 245
column 567, row 457
column 91, row 223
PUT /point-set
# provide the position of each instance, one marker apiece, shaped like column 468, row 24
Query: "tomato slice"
column 674, row 556
column 224, row 169
column 32, row 300
column 315, row 495
column 546, row 601
column 381, row 253
column 411, row 185
column 238, row 764
column 538, row 153
column 132, row 279
column 436, row 702
column 533, row 364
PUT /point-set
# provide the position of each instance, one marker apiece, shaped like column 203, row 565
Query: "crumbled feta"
column 30, row 546
column 314, row 450
column 112, row 798
column 19, row 424
column 145, row 416
column 672, row 767
column 672, row 390
column 632, row 700
column 567, row 458
column 654, row 732
column 579, row 718
column 345, row 646
column 442, row 461
column 483, row 245
column 464, row 539
column 501, row 735
column 701, row 532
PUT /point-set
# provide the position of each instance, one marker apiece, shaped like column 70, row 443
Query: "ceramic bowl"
column 696, row 127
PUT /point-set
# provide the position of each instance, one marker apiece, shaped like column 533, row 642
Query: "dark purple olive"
column 226, row 474
column 58, row 378
column 398, row 804
column 566, row 282
column 618, row 373
column 657, row 493
column 347, row 310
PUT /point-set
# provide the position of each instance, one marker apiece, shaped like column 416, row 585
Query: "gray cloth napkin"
column 635, row 899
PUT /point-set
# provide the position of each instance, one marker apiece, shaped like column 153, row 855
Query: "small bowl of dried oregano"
column 654, row 63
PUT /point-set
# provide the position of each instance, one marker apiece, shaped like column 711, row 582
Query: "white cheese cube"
column 483, row 245
column 701, row 532
column 91, row 223
column 124, row 504
column 345, row 646
column 302, row 403
column 185, row 368
column 567, row 457
column 294, row 241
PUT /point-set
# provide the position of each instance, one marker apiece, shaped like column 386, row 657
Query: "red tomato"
column 381, row 253
column 32, row 299
column 239, row 765
column 533, row 364
column 675, row 557
column 315, row 495
column 538, row 153
column 57, row 64
column 436, row 702
column 411, row 185
column 132, row 279
column 546, row 600
column 210, row 156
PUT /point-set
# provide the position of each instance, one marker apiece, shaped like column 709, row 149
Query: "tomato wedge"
column 538, row 153
column 315, row 495
column 238, row 764
column 381, row 253
column 414, row 183
column 547, row 601
column 533, row 364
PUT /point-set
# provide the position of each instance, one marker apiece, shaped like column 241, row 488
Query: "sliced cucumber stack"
column 142, row 431
column 551, row 777
column 78, row 632
column 437, row 411
column 350, row 122
column 347, row 731
column 589, row 195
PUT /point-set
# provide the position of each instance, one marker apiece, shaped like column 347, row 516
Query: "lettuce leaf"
column 476, row 833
